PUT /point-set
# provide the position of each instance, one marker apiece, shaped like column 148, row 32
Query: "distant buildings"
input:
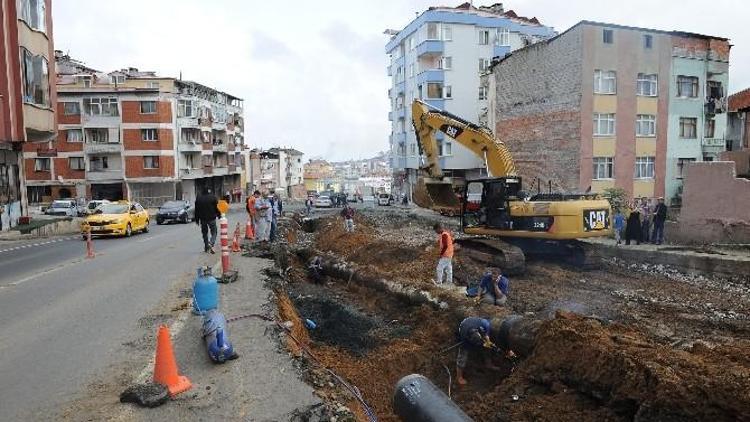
column 281, row 172
column 604, row 105
column 348, row 176
column 738, row 130
column 135, row 135
column 438, row 57
column 27, row 97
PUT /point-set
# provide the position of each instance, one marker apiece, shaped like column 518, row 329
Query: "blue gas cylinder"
column 205, row 291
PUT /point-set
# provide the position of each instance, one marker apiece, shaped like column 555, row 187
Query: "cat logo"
column 595, row 220
column 451, row 131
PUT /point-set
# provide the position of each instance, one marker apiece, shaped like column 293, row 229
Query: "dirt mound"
column 287, row 312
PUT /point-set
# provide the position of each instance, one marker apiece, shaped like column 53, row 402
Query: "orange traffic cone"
column 236, row 240
column 165, row 367
column 249, row 232
column 89, row 245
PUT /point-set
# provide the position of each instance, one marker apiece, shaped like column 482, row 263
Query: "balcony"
column 433, row 47
column 713, row 144
column 208, row 169
column 102, row 148
column 431, row 75
column 715, row 106
column 191, row 173
column 188, row 122
column 99, row 175
column 500, row 51
column 100, row 120
column 438, row 103
column 194, row 146
column 400, row 88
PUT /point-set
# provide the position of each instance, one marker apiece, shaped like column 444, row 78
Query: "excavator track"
column 494, row 253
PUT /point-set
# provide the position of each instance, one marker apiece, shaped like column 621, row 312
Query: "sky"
column 313, row 73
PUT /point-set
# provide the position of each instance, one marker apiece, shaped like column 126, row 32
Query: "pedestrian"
column 475, row 337
column 660, row 216
column 405, row 201
column 262, row 211
column 308, row 205
column 206, row 213
column 333, row 201
column 228, row 197
column 493, row 288
column 280, row 205
column 445, row 260
column 338, row 201
column 273, row 217
column 633, row 229
column 348, row 214
column 645, row 220
column 619, row 225
column 315, row 270
column 250, row 208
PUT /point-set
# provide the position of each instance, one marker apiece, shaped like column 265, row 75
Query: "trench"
column 372, row 330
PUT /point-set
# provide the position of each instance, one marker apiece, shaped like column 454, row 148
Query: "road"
column 63, row 317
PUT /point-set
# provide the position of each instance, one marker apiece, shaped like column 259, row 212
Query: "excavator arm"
column 428, row 121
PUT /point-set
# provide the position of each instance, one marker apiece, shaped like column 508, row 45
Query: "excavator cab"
column 486, row 202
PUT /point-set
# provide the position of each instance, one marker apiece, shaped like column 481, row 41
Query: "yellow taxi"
column 121, row 218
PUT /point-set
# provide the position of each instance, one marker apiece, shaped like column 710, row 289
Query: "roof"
column 740, row 100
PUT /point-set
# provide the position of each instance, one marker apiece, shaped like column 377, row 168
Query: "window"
column 605, row 82
column 71, row 109
column 604, row 168
column 645, row 125
column 688, row 127
column 604, row 124
column 447, row 33
column 644, row 168
column 76, row 163
column 682, row 166
column 434, row 90
column 432, row 31
column 41, row 164
column 99, row 163
column 100, row 106
column 97, row 136
column 411, row 70
column 419, row 91
column 484, row 37
column 482, row 92
column 148, row 107
column 687, row 86
column 709, row 127
column 447, row 93
column 149, row 134
column 35, row 79
column 502, row 36
column 185, row 108
column 484, row 64
column 714, row 89
column 446, row 148
column 646, row 85
column 118, row 79
column 85, row 80
column 648, row 42
column 151, row 162
column 608, row 36
column 152, row 85
column 34, row 13
column 74, row 135
column 446, row 63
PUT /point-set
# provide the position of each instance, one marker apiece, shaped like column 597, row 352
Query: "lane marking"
column 31, row 245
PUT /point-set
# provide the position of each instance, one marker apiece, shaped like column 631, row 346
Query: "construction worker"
column 348, row 214
column 493, row 288
column 474, row 338
column 445, row 260
column 250, row 207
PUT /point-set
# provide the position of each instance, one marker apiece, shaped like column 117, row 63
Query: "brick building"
column 27, row 98
column 136, row 135
column 738, row 130
column 604, row 105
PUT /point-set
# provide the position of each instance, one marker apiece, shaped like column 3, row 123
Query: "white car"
column 63, row 207
column 384, row 199
column 323, row 202
column 368, row 200
column 94, row 204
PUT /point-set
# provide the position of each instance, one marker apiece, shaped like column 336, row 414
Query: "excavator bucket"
column 437, row 195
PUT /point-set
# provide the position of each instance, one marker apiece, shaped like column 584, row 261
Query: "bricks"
column 134, row 167
column 63, row 145
column 31, row 174
column 133, row 140
column 67, row 120
column 131, row 113
column 62, row 168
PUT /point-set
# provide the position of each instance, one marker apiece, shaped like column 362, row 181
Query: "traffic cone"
column 89, row 245
column 249, row 232
column 165, row 367
column 236, row 240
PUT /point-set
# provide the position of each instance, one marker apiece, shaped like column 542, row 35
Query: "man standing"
column 619, row 225
column 274, row 201
column 262, row 211
column 250, row 207
column 348, row 214
column 633, row 230
column 493, row 289
column 309, row 205
column 206, row 213
column 445, row 261
column 646, row 215
column 660, row 216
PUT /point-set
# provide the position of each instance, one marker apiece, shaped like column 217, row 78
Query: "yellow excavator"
column 508, row 222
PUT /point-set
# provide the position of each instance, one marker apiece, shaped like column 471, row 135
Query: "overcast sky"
column 313, row 73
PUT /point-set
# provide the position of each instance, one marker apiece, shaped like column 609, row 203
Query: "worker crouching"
column 493, row 288
column 475, row 339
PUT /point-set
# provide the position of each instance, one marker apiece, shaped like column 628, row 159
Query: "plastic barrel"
column 205, row 291
column 417, row 399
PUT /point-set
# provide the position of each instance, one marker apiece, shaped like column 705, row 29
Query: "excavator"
column 506, row 222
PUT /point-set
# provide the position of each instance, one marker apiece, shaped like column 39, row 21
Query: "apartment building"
column 27, row 97
column 604, row 105
column 282, row 172
column 438, row 57
column 738, row 129
column 133, row 134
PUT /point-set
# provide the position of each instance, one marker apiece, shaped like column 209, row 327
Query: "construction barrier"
column 236, row 239
column 165, row 366
column 224, row 233
column 249, row 231
column 89, row 245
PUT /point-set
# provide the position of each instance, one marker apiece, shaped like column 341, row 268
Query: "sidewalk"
column 261, row 385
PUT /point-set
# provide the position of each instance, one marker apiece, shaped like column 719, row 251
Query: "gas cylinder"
column 216, row 336
column 205, row 291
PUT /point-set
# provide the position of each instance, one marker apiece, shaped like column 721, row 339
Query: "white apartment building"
column 439, row 57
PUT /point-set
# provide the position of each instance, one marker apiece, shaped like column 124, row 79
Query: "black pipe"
column 417, row 399
column 516, row 333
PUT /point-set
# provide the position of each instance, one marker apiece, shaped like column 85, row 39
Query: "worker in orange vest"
column 445, row 248
column 250, row 207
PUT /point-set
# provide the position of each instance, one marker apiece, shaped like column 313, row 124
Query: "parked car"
column 384, row 199
column 64, row 207
column 121, row 218
column 323, row 201
column 368, row 200
column 94, row 204
column 176, row 211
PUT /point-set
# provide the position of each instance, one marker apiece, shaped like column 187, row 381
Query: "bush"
column 617, row 197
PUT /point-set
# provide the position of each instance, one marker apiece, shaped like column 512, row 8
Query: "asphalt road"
column 63, row 317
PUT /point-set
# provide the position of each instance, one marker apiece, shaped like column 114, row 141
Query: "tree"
column 617, row 197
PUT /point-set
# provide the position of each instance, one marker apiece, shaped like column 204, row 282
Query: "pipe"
column 516, row 333
column 417, row 399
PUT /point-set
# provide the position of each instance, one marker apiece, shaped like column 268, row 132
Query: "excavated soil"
column 616, row 344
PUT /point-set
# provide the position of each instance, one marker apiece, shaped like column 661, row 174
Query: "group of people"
column 644, row 222
column 263, row 210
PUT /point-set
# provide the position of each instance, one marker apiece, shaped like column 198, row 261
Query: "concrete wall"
column 715, row 204
column 536, row 96
column 741, row 161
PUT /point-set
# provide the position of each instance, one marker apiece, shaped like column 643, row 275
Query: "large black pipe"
column 417, row 399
